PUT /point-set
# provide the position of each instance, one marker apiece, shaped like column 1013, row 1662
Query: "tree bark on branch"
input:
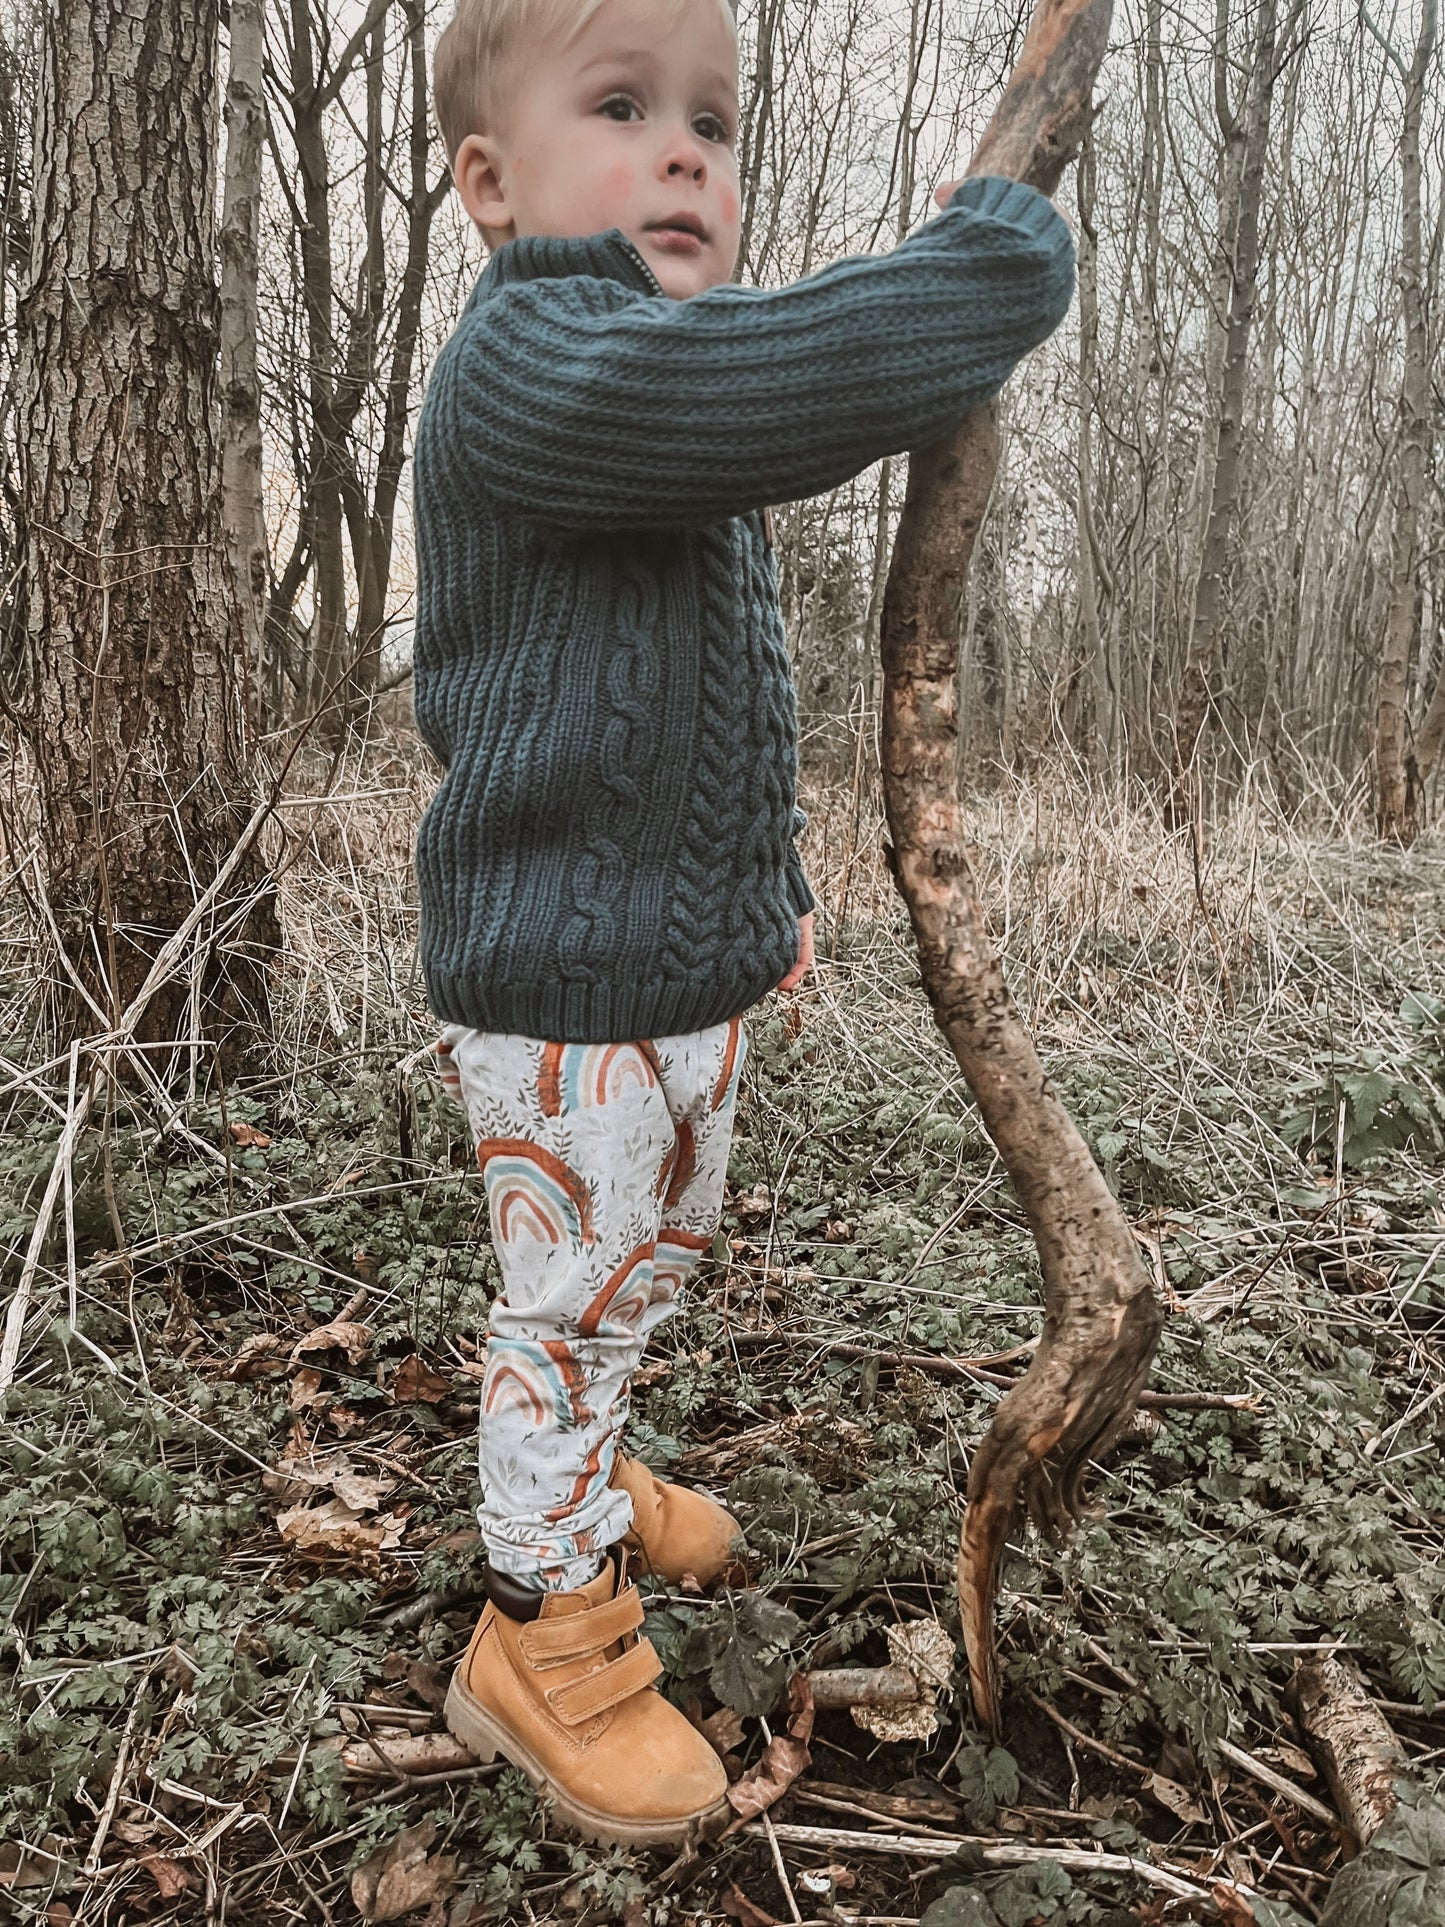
column 1101, row 1322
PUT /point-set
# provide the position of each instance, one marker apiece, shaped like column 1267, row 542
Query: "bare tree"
column 133, row 713
column 1398, row 798
column 243, row 510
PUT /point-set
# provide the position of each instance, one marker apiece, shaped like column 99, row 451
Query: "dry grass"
column 1179, row 993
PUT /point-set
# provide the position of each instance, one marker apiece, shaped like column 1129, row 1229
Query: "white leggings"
column 604, row 1166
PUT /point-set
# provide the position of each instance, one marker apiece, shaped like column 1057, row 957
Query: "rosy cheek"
column 728, row 206
column 617, row 183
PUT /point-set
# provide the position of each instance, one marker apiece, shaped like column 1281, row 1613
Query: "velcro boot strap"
column 618, row 1680
column 550, row 1641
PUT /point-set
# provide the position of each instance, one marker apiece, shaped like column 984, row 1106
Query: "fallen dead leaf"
column 417, row 1384
column 335, row 1527
column 341, row 1335
column 256, row 1354
column 736, row 1905
column 19, row 1867
column 170, row 1876
column 299, row 1475
column 306, row 1392
column 249, row 1138
column 1178, row 1799
column 763, row 1785
column 1292, row 1759
column 57, row 1914
column 1234, row 1909
column 429, row 1683
column 722, row 1730
column 134, row 1833
column 398, row 1877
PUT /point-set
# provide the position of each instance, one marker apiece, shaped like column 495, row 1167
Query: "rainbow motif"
column 579, row 1077
column 534, row 1195
column 675, row 1262
column 604, row 1450
column 624, row 1298
column 731, row 1064
column 679, row 1166
column 542, row 1380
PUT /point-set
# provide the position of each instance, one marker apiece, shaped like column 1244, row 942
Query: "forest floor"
column 235, row 1517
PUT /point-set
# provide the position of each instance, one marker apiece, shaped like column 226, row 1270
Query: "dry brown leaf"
column 763, row 1785
column 341, row 1335
column 249, row 1138
column 19, row 1867
column 57, row 1914
column 401, row 1750
column 134, row 1833
column 1234, row 1909
column 1178, row 1799
column 324, row 1530
column 429, row 1683
column 736, row 1905
column 169, row 1875
column 800, row 1707
column 361, row 1491
column 417, row 1384
column 398, row 1877
column 722, row 1730
column 256, row 1354
column 306, row 1392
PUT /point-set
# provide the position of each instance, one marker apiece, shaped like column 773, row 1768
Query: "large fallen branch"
column 1101, row 1322
column 1352, row 1741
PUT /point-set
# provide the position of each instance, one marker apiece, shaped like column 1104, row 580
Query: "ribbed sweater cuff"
column 799, row 895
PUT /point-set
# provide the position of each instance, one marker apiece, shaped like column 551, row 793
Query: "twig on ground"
column 993, row 1853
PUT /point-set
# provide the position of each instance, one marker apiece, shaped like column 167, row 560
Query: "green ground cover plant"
column 270, row 1299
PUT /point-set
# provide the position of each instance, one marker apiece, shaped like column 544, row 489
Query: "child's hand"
column 805, row 954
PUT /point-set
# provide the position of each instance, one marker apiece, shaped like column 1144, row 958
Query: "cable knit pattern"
column 600, row 660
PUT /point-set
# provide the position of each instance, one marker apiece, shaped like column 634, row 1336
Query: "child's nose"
column 685, row 158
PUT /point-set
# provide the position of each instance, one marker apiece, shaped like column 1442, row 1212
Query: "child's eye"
column 712, row 129
column 620, row 108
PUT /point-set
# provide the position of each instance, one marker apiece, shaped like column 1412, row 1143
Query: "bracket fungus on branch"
column 1101, row 1321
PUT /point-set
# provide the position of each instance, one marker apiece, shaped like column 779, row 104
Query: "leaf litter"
column 866, row 1213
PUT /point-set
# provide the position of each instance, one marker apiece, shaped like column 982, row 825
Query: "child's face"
column 630, row 125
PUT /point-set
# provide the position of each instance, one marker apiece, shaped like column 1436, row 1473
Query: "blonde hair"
column 469, row 68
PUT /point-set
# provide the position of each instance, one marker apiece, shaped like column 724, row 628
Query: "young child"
column 608, row 874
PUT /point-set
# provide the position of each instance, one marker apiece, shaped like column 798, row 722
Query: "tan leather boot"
column 674, row 1530
column 569, row 1698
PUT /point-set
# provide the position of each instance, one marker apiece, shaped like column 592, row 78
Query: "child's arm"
column 591, row 406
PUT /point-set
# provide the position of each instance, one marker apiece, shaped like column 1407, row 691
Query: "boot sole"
column 470, row 1722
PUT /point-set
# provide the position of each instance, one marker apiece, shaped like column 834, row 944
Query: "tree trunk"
column 243, row 514
column 134, row 716
column 1201, row 657
column 1398, row 786
column 1101, row 1322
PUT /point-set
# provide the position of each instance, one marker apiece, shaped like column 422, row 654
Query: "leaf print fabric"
column 604, row 1167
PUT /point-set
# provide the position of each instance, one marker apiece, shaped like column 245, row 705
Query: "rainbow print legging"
column 604, row 1167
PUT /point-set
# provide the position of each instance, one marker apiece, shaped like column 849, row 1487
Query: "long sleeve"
column 591, row 405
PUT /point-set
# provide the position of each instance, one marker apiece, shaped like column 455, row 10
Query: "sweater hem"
column 607, row 1013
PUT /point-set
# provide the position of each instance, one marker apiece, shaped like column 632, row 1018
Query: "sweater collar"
column 551, row 257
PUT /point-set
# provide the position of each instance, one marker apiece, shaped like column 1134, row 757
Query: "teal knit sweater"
column 600, row 662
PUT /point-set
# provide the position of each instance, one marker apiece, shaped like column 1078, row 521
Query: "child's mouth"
column 677, row 237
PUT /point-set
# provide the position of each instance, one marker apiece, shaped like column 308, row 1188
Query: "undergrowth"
column 1258, row 1062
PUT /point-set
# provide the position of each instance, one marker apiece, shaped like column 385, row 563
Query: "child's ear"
column 476, row 173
